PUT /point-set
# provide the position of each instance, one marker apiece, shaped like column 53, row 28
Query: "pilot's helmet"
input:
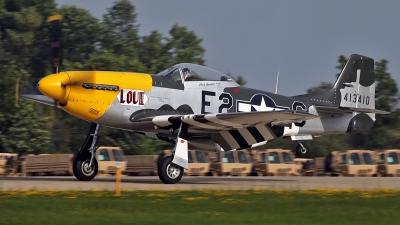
column 186, row 73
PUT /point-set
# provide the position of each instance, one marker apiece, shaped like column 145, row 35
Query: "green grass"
column 323, row 206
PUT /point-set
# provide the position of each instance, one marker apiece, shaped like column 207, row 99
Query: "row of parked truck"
column 269, row 162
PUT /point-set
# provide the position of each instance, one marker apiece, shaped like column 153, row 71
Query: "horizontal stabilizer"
column 41, row 98
column 330, row 109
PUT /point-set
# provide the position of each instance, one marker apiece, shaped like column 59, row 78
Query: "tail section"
column 355, row 87
column 354, row 90
column 353, row 94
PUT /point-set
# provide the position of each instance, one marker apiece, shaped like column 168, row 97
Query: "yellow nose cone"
column 56, row 86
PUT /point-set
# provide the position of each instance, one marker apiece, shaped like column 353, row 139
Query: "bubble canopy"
column 195, row 72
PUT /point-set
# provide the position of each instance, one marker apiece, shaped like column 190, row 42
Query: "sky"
column 257, row 38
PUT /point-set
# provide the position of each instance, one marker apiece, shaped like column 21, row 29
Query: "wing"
column 235, row 130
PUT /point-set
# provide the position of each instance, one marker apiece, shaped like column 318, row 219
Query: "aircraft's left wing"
column 235, row 130
column 41, row 99
column 227, row 121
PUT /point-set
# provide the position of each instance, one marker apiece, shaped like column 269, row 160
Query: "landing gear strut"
column 301, row 149
column 85, row 165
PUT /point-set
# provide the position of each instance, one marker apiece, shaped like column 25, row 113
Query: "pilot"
column 186, row 74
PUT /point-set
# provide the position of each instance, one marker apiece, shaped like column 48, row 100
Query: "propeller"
column 58, row 85
column 56, row 38
column 56, row 45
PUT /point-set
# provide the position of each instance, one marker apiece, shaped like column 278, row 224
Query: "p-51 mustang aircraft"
column 193, row 106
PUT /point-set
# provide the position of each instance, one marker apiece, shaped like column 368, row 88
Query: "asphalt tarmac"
column 192, row 182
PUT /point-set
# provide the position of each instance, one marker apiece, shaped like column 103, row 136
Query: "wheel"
column 168, row 172
column 81, row 168
column 301, row 150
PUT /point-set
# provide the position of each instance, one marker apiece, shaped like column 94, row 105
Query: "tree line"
column 113, row 43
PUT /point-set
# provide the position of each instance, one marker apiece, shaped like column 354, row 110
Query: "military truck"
column 46, row 164
column 107, row 159
column 7, row 163
column 388, row 162
column 351, row 163
column 235, row 163
column 141, row 165
column 199, row 162
column 275, row 162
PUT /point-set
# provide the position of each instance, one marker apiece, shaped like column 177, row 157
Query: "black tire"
column 168, row 172
column 300, row 151
column 81, row 172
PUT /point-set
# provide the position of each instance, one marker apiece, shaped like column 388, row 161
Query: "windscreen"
column 368, row 159
column 242, row 157
column 392, row 158
column 193, row 72
column 273, row 157
column 103, row 155
column 117, row 155
column 200, row 157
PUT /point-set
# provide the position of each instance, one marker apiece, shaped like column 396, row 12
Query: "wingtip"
column 41, row 99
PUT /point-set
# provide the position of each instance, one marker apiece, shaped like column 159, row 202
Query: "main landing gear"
column 301, row 149
column 85, row 165
column 170, row 168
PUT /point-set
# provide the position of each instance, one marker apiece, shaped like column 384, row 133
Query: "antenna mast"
column 277, row 83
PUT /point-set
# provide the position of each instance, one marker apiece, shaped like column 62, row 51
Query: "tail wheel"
column 168, row 172
column 83, row 171
column 301, row 150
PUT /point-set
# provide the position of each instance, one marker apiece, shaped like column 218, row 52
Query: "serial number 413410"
column 348, row 97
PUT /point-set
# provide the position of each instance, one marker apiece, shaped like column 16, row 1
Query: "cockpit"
column 186, row 72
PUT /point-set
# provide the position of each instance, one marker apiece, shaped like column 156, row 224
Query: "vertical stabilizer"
column 356, row 84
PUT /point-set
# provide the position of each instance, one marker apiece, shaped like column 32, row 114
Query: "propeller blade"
column 56, row 44
column 17, row 92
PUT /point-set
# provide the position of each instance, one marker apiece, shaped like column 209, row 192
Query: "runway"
column 190, row 182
